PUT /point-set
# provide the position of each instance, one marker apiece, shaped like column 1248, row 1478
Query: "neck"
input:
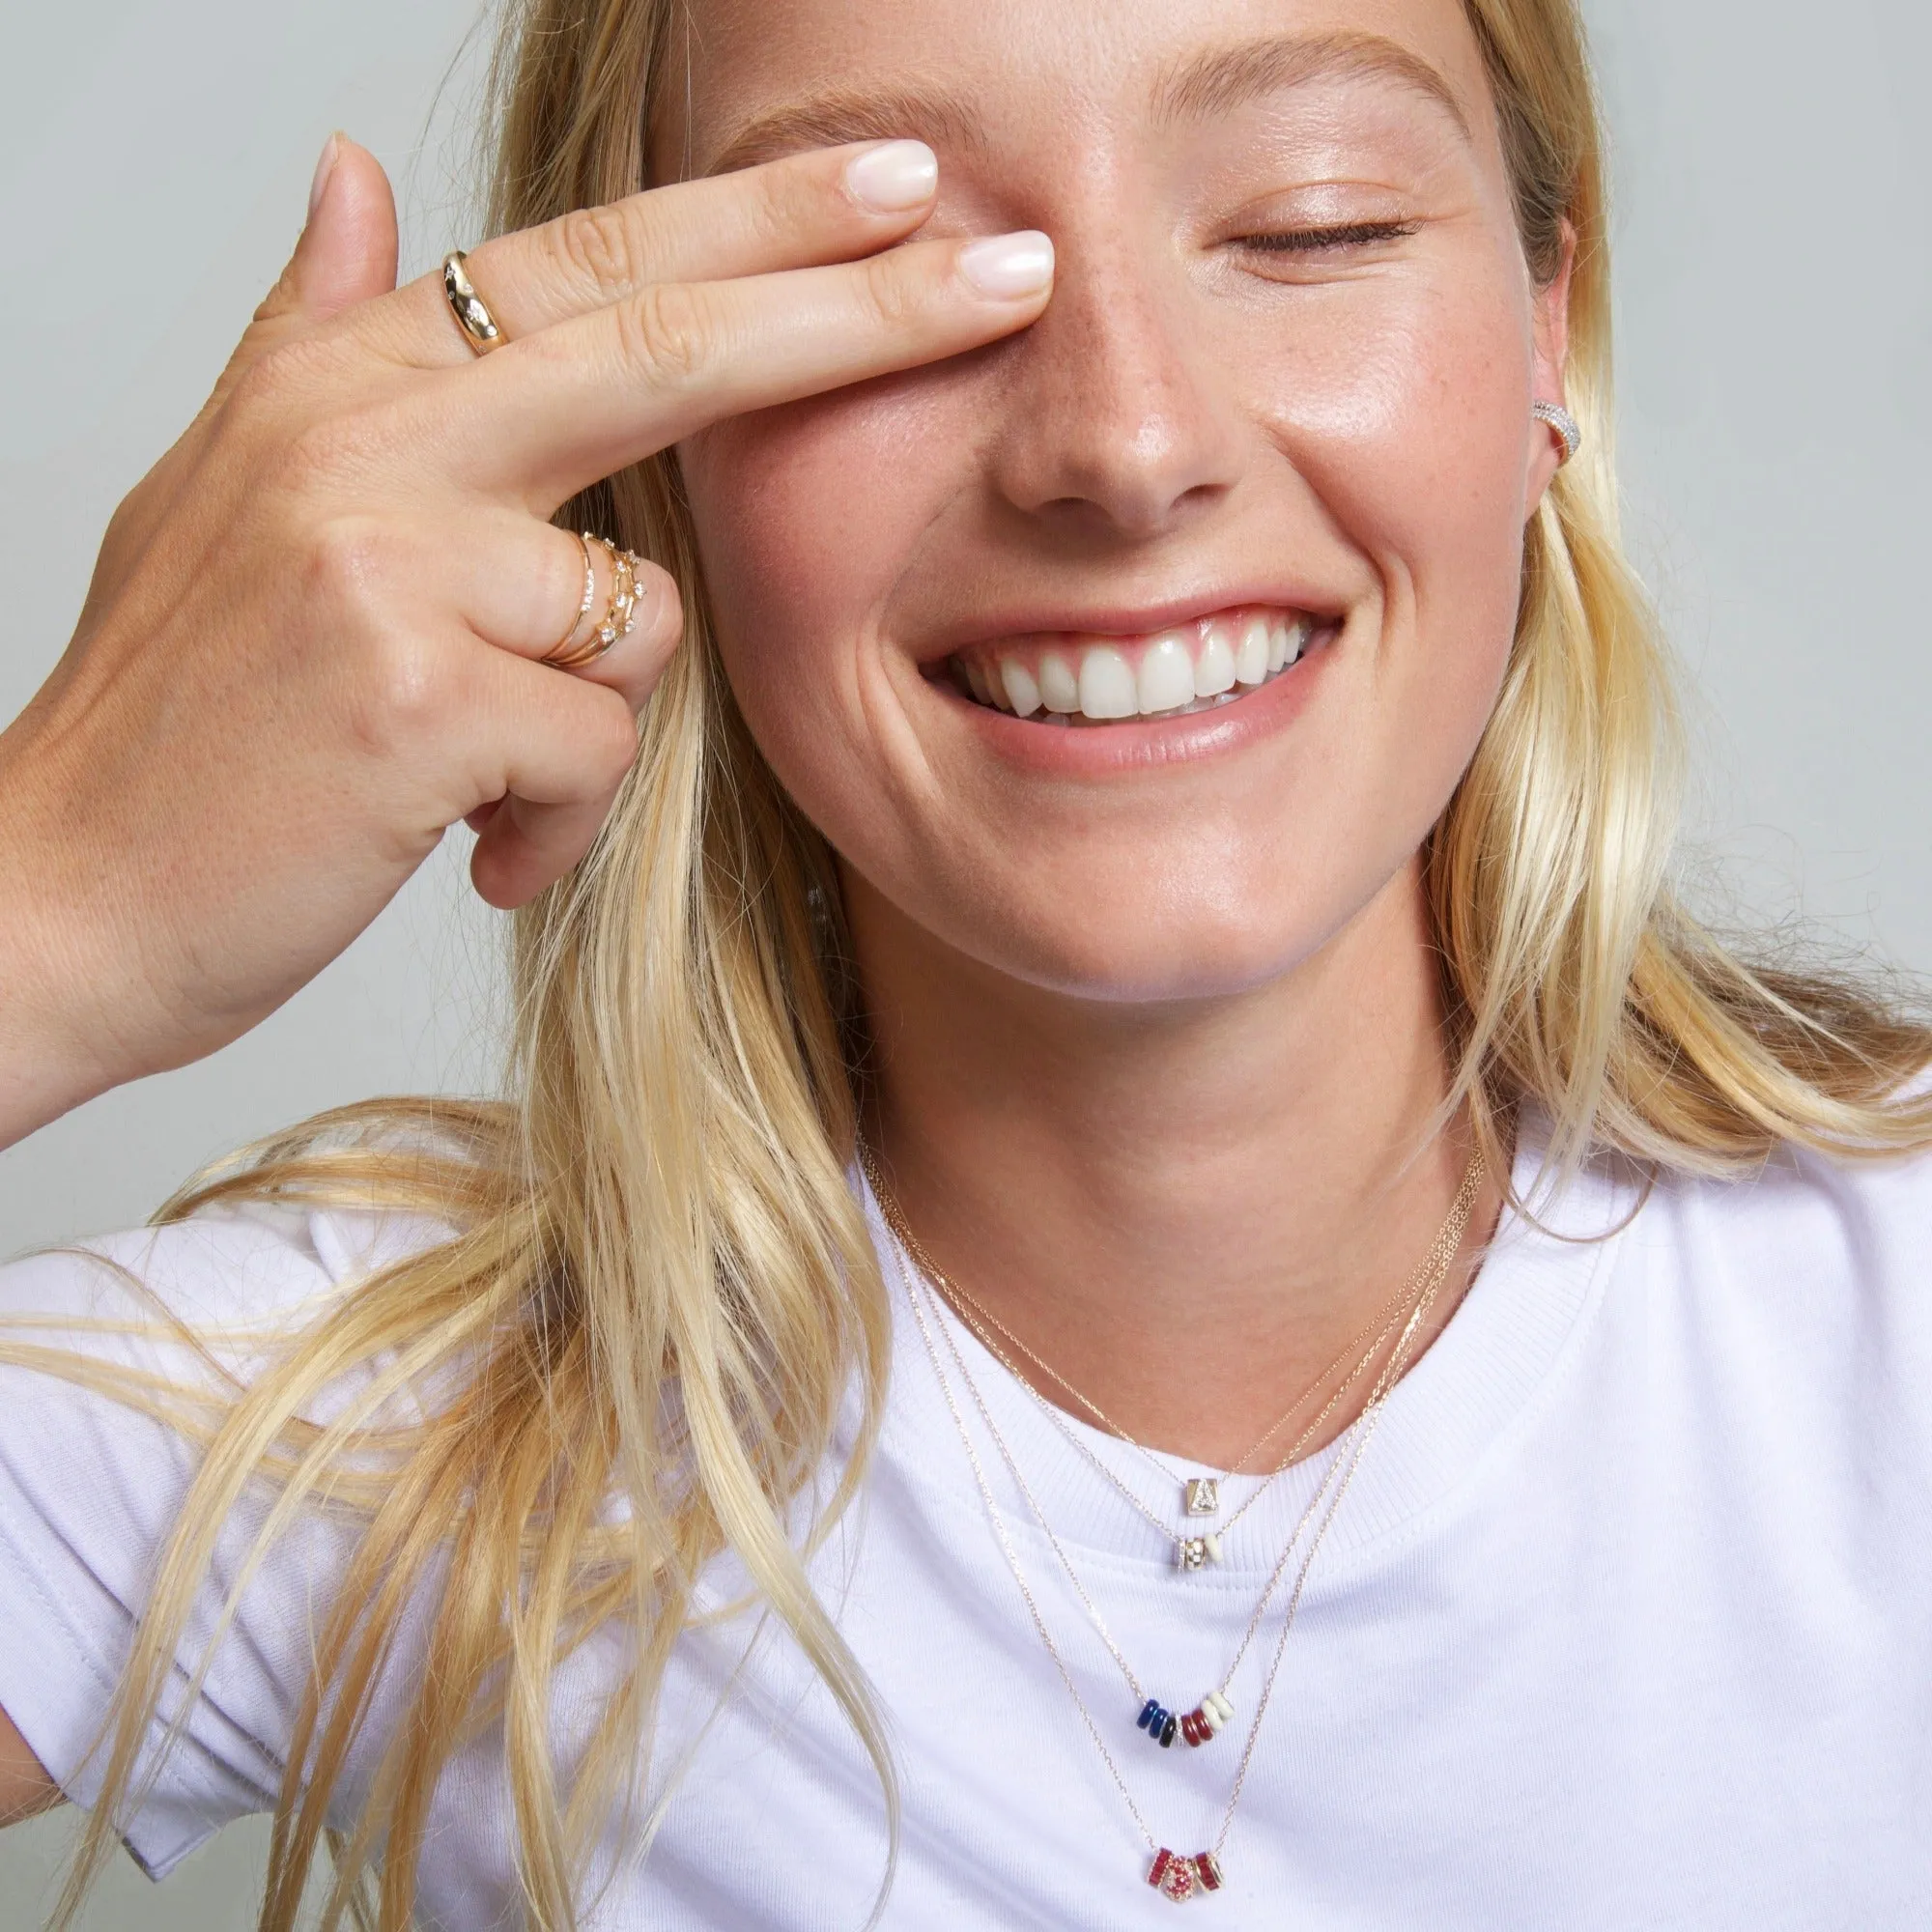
column 1187, row 1209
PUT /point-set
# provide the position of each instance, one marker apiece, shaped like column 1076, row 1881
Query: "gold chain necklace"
column 1176, row 1877
column 1194, row 1545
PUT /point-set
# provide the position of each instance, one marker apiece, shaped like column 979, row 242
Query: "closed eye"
column 1317, row 240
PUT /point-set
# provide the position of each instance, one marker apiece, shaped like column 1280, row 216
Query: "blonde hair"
column 659, row 1284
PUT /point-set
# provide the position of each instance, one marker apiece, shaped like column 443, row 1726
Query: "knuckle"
column 352, row 565
column 667, row 332
column 896, row 292
column 404, row 690
column 785, row 205
column 596, row 245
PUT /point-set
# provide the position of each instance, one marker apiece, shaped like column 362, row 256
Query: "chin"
column 1131, row 935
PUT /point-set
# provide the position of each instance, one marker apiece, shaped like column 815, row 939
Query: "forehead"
column 765, row 76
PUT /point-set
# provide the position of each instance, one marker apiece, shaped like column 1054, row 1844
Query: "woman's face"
column 1136, row 655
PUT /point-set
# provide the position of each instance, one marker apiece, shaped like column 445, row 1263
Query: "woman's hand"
column 312, row 639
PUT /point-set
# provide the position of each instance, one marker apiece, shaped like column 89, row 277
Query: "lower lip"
column 1145, row 744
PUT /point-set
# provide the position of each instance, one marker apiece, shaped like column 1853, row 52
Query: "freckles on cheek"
column 1411, row 435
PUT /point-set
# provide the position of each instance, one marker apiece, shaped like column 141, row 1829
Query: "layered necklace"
column 932, row 1293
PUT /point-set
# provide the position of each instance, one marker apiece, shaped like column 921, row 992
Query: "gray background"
column 1775, row 273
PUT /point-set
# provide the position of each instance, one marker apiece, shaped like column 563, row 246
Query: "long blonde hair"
column 659, row 1286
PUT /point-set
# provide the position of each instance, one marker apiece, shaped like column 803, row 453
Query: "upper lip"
column 1018, row 621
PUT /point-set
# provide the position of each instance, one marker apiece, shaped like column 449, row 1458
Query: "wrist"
column 56, row 1050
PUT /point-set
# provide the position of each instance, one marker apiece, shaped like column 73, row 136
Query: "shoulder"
column 205, row 1296
column 1795, row 1302
column 1802, row 1227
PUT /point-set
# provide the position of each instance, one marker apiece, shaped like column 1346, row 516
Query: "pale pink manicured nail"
column 894, row 177
column 323, row 169
column 1009, row 265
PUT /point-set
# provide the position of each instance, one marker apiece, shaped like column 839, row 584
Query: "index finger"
column 804, row 211
column 589, row 397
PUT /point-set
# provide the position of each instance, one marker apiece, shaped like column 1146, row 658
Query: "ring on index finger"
column 480, row 329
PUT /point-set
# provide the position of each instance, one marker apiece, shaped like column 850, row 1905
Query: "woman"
column 1137, row 1255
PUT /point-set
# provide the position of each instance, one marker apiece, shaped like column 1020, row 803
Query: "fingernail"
column 1009, row 265
column 893, row 177
column 323, row 169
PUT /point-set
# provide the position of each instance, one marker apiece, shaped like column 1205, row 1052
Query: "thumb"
column 347, row 254
column 348, row 250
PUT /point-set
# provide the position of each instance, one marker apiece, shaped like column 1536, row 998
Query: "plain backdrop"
column 1771, row 166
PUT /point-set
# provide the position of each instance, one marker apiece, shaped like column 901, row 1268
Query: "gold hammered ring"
column 480, row 329
column 620, row 614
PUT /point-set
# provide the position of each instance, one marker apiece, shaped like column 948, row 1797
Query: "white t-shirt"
column 1625, row 1622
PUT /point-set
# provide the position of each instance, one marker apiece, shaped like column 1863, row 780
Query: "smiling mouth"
column 1096, row 680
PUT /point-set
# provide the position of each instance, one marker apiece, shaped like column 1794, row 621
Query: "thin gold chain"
column 1346, row 1460
column 1295, row 1450
column 1442, row 1252
column 979, row 1321
column 1386, row 1316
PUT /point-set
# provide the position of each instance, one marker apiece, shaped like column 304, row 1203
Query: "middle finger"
column 829, row 205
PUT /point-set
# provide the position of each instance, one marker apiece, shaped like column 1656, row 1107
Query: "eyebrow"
column 1214, row 82
column 846, row 114
column 1225, row 78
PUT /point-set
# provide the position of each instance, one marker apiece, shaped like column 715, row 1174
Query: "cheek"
column 1411, row 431
column 806, row 517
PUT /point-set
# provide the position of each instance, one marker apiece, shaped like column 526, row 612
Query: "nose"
column 1117, row 424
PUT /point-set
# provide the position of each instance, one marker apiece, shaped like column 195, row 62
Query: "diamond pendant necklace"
column 1194, row 1545
column 1179, row 1878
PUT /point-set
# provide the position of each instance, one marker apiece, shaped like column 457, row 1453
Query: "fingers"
column 807, row 210
column 567, row 748
column 586, row 398
column 516, row 585
column 521, row 585
column 346, row 254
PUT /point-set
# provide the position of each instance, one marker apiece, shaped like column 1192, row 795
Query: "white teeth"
column 1192, row 668
column 1022, row 693
column 1214, row 671
column 1107, row 688
column 1251, row 656
column 1166, row 680
column 1059, row 687
column 1287, row 637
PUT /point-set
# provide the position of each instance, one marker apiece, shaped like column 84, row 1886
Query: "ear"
column 1550, row 322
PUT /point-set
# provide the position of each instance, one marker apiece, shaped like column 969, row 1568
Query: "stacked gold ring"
column 621, row 611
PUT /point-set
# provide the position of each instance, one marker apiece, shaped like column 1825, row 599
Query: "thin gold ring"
column 480, row 329
column 562, row 644
column 620, row 613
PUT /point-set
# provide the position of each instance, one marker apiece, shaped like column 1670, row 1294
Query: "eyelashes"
column 1344, row 236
